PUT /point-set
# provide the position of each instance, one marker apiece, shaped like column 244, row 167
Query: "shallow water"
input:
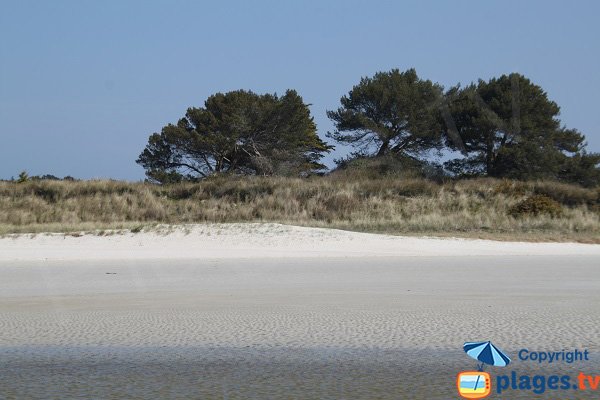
column 251, row 373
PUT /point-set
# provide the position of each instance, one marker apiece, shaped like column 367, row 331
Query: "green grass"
column 413, row 206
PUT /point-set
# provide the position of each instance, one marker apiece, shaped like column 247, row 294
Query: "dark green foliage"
column 582, row 169
column 535, row 205
column 509, row 128
column 23, row 177
column 238, row 132
column 391, row 113
column 47, row 177
column 393, row 165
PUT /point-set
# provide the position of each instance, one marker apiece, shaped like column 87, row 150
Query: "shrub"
column 23, row 177
column 511, row 188
column 413, row 187
column 362, row 167
column 181, row 191
column 49, row 193
column 536, row 204
column 569, row 195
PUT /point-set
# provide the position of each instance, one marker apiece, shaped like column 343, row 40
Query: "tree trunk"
column 384, row 147
column 489, row 158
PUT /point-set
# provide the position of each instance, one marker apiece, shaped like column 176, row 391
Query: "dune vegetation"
column 248, row 157
column 483, row 207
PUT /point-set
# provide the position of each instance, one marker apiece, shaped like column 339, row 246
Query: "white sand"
column 264, row 286
column 234, row 241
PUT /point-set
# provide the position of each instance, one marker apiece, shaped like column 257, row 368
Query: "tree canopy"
column 505, row 127
column 237, row 132
column 391, row 113
column 509, row 128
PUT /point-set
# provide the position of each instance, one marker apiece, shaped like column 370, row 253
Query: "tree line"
column 502, row 127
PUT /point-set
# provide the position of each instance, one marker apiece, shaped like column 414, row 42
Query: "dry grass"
column 471, row 208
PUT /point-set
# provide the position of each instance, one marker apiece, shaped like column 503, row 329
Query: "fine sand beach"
column 271, row 311
column 299, row 200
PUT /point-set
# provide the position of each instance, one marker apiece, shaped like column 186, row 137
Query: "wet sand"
column 249, row 373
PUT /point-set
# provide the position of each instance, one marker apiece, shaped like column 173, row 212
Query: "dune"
column 255, row 240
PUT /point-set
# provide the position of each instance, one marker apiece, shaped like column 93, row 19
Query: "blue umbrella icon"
column 487, row 353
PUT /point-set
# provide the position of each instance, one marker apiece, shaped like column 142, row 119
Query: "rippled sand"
column 246, row 373
column 291, row 327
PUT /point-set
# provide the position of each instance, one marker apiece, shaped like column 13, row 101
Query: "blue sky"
column 84, row 83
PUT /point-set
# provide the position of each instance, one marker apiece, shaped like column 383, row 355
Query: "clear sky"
column 84, row 83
